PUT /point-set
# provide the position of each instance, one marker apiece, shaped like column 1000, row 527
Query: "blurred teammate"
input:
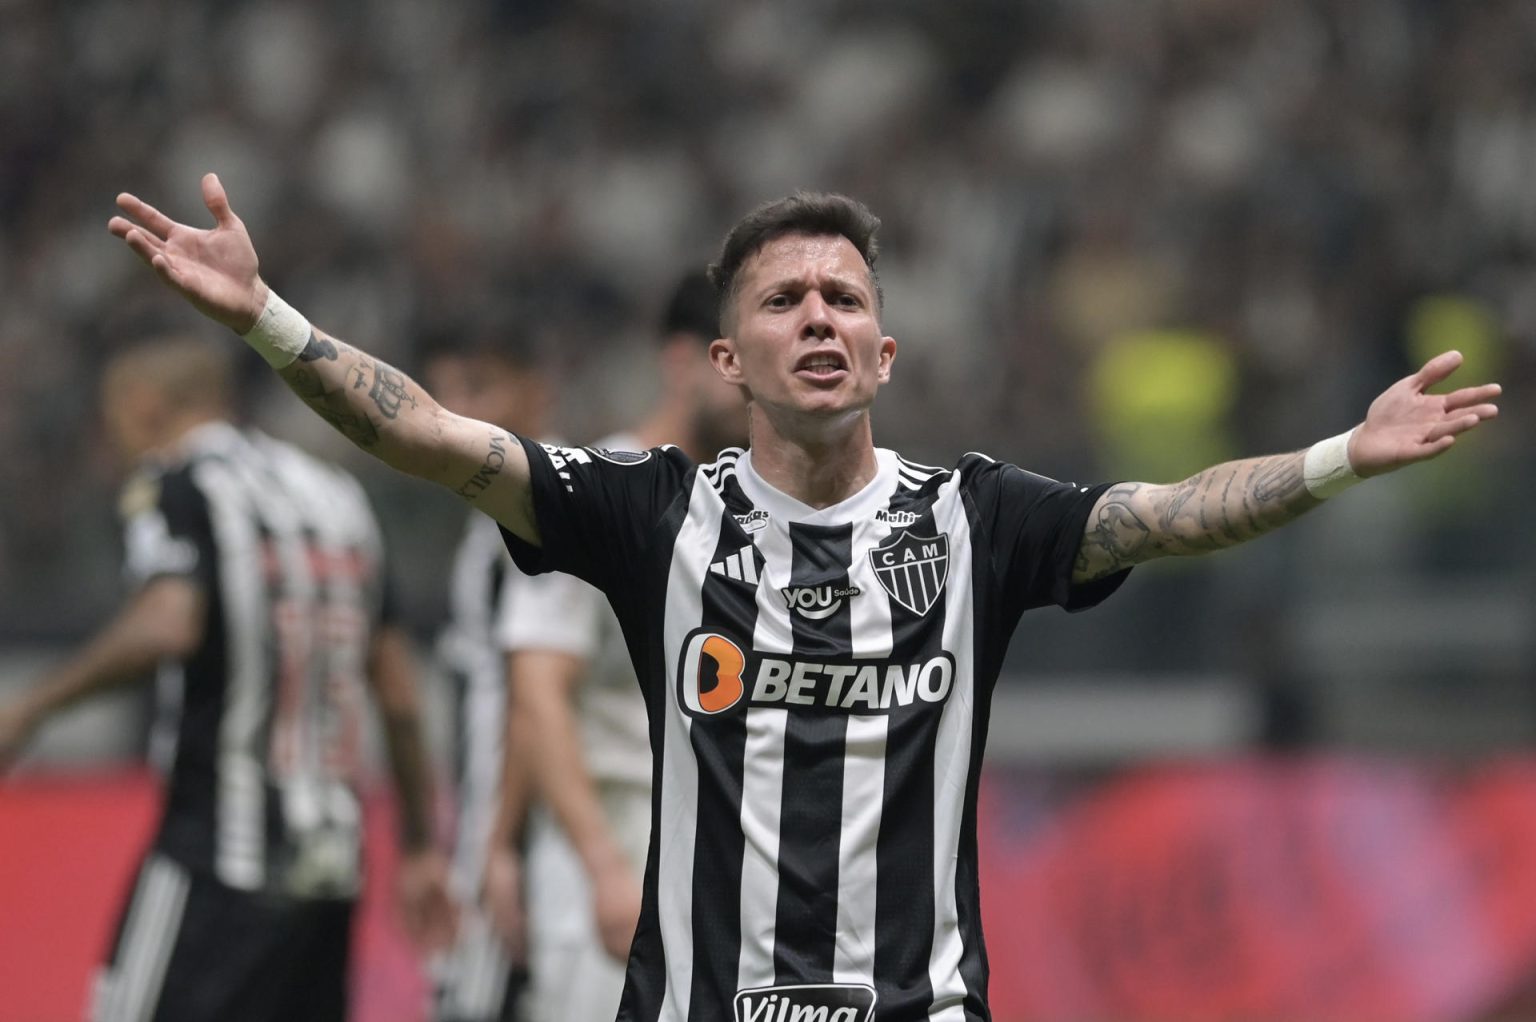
column 817, row 624
column 585, row 716
column 485, row 375
column 259, row 605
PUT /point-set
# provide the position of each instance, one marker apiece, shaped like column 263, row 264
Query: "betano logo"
column 715, row 675
column 826, row 1002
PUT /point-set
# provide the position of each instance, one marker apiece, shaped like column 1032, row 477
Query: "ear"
column 722, row 355
column 887, row 356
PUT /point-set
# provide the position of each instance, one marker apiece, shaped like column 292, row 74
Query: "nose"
column 818, row 317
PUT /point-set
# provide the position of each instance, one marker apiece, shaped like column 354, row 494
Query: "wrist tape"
column 280, row 334
column 1326, row 469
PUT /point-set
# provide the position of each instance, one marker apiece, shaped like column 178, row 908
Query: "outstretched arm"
column 1241, row 500
column 162, row 621
column 422, row 885
column 371, row 403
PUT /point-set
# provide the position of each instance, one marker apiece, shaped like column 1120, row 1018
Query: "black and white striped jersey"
column 496, row 609
column 818, row 685
column 260, row 729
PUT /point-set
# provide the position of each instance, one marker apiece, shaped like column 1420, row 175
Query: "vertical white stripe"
column 733, row 566
column 149, row 937
column 748, row 565
column 773, row 633
column 762, row 793
column 169, row 929
column 870, row 611
column 679, row 801
column 853, row 959
column 239, row 855
column 762, row 801
column 130, row 944
column 951, row 761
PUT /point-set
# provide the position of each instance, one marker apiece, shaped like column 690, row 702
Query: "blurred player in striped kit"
column 259, row 605
column 576, row 701
column 487, row 373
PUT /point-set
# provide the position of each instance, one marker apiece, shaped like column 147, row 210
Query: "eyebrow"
column 837, row 280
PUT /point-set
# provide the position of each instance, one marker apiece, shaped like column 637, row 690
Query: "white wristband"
column 1326, row 469
column 280, row 334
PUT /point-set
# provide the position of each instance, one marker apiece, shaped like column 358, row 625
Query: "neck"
column 819, row 470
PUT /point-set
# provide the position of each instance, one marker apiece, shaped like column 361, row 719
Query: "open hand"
column 430, row 915
column 502, row 896
column 616, row 907
column 215, row 269
column 1405, row 424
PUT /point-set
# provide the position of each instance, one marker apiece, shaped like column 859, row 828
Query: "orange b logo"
column 709, row 655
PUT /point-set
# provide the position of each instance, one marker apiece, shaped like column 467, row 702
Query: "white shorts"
column 571, row 977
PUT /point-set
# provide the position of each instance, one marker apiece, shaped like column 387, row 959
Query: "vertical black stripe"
column 814, row 748
column 904, row 906
column 719, row 743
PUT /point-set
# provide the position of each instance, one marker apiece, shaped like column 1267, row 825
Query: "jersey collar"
column 874, row 496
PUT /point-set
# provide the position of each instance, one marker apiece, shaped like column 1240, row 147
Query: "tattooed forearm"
column 488, row 470
column 331, row 406
column 1116, row 536
column 328, row 371
column 317, row 348
column 1221, row 507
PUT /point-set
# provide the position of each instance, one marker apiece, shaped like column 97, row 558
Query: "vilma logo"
column 829, row 1002
column 817, row 602
column 913, row 569
column 710, row 680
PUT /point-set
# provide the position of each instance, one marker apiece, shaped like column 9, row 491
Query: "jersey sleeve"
column 1036, row 525
column 554, row 612
column 166, row 528
column 597, row 511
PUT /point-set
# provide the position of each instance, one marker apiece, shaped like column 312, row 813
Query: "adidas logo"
column 740, row 566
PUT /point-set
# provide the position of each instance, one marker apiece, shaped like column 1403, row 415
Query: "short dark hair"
column 814, row 213
column 694, row 308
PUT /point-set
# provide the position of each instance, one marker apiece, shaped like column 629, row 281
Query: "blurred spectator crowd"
column 1122, row 237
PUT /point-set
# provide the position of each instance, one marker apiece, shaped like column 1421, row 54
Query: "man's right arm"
column 371, row 403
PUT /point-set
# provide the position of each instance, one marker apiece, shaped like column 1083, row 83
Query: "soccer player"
column 817, row 623
column 259, row 606
column 486, row 374
column 585, row 718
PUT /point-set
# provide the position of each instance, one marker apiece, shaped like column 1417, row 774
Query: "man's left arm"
column 1236, row 501
column 428, row 910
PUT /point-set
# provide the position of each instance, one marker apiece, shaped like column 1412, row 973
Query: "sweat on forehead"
column 809, row 213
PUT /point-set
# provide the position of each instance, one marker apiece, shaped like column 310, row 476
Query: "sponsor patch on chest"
column 823, row 1002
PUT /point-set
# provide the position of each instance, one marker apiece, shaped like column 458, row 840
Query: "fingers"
column 1460, row 424
column 143, row 243
column 150, row 218
column 1469, row 396
column 1436, row 369
column 217, row 201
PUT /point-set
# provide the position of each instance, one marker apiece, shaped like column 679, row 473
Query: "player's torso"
column 270, row 707
column 820, row 711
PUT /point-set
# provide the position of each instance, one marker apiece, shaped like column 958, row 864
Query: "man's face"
column 133, row 413
column 805, row 337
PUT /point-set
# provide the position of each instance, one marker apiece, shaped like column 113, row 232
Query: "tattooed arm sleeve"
column 386, row 413
column 1218, row 508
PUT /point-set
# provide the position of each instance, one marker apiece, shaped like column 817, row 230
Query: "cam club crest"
column 912, row 569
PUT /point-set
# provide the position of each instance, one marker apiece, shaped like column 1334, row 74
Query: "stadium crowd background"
column 1122, row 238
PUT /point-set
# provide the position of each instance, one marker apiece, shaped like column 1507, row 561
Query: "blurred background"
column 1123, row 238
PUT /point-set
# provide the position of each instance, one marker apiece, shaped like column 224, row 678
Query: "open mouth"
column 821, row 365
